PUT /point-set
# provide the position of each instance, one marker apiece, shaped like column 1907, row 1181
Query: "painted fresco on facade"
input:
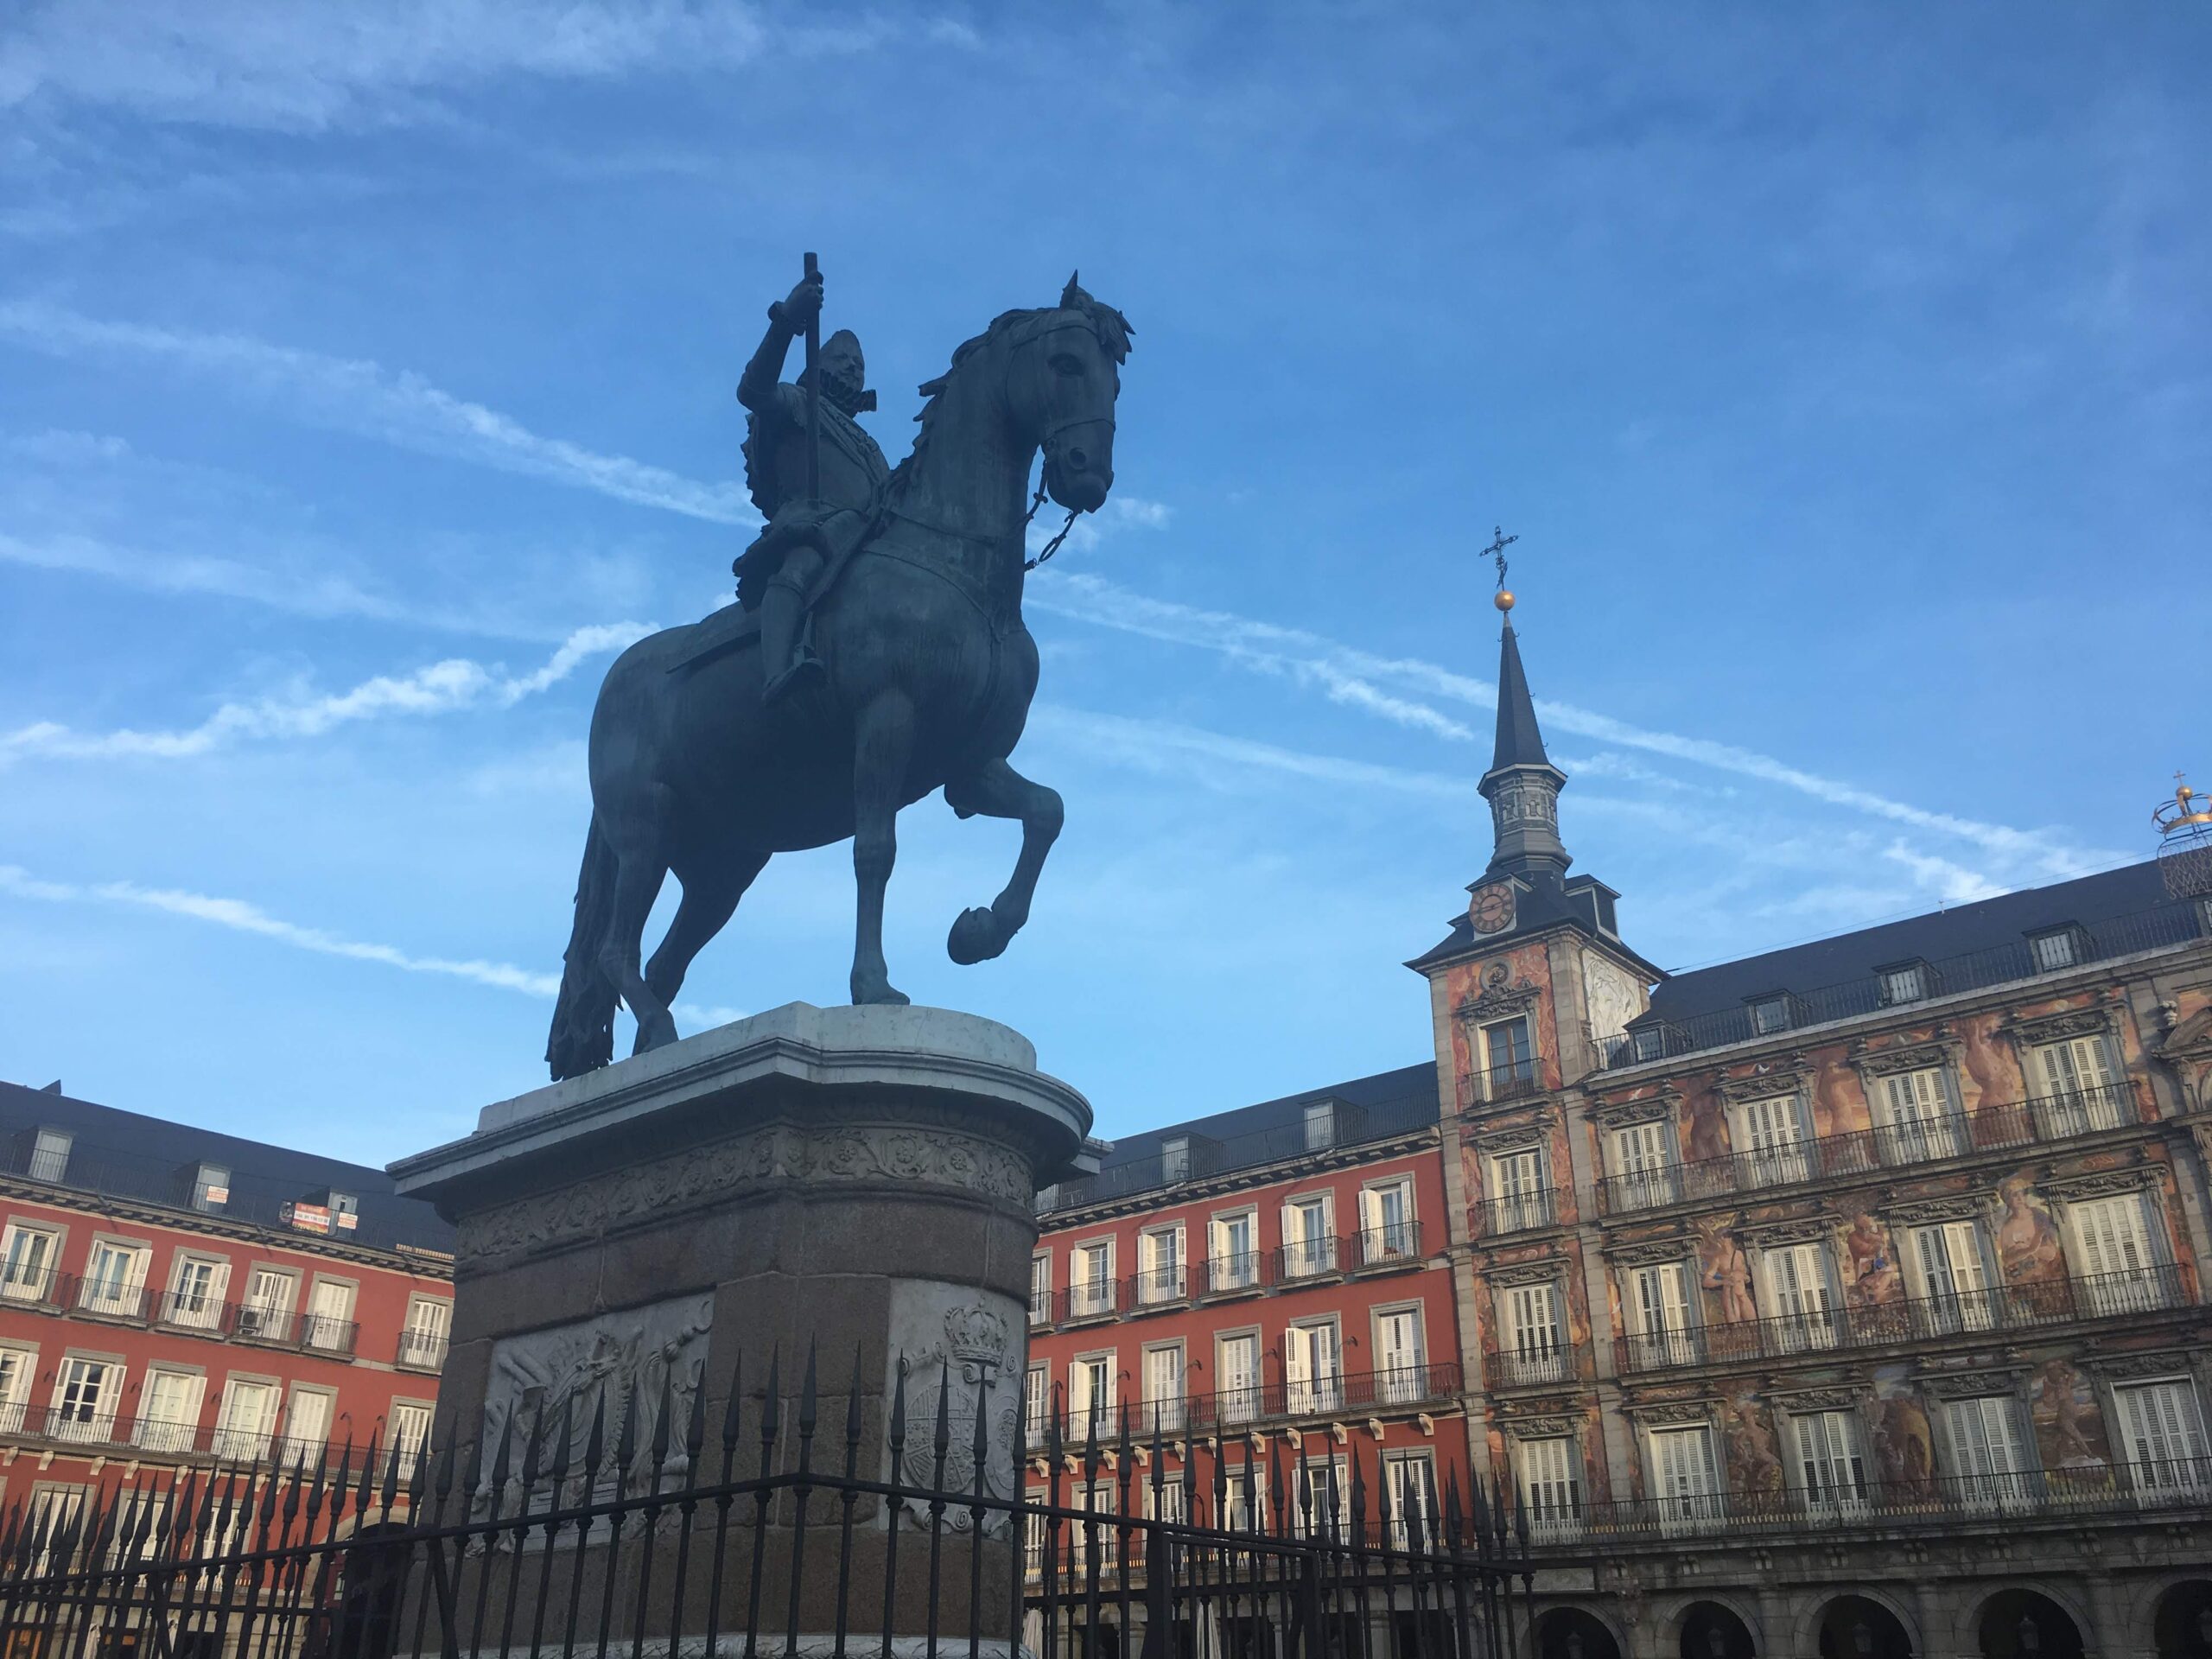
column 2070, row 1423
column 1704, row 1126
column 1724, row 1273
column 1839, row 1100
column 1464, row 985
column 1752, row 1454
column 2028, row 1248
column 1905, row 1447
column 1867, row 1257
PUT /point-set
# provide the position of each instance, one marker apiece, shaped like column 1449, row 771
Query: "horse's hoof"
column 656, row 1032
column 879, row 995
column 977, row 936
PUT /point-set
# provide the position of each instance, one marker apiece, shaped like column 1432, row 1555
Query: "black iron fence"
column 778, row 1534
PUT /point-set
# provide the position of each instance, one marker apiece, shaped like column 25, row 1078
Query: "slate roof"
column 1543, row 901
column 1935, row 937
column 129, row 1154
column 1406, row 1094
column 1519, row 741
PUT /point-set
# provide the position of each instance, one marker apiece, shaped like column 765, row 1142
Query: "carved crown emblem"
column 975, row 1334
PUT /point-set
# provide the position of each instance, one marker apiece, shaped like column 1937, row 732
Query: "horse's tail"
column 582, row 1037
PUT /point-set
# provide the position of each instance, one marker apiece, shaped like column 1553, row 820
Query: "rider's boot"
column 785, row 657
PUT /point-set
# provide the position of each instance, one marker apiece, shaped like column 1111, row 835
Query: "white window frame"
column 297, row 1447
column 1240, row 1397
column 1532, row 1331
column 18, row 1371
column 1645, row 1163
column 1319, row 1119
column 1903, row 983
column 176, row 1428
column 1770, row 1014
column 323, row 1331
column 1314, row 1365
column 204, row 1309
column 1548, row 1471
column 1228, row 1271
column 234, row 1442
column 1382, row 1239
column 1993, row 1454
column 1689, row 1487
column 98, row 1293
column 1950, row 1264
column 1159, row 1281
column 2162, row 1428
column 1304, row 1256
column 69, row 1418
column 2117, row 1250
column 1828, row 1461
column 1090, row 1295
column 1410, row 1472
column 1084, row 1406
column 1398, row 1380
column 1036, row 1402
column 269, row 1306
column 408, row 1425
column 1520, row 1203
column 2077, row 1085
column 2055, row 949
column 1040, row 1287
column 1673, row 1337
column 1768, row 1156
column 28, row 1275
column 1165, row 1411
column 1916, row 1116
column 1798, row 1281
column 424, row 1336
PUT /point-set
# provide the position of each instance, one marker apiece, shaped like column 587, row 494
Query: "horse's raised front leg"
column 997, row 790
column 883, row 746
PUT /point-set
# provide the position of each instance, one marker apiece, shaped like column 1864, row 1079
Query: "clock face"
column 1491, row 908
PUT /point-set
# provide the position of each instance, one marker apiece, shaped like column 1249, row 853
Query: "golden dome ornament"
column 2184, row 842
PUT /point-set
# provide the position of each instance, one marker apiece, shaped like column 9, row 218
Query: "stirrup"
column 806, row 665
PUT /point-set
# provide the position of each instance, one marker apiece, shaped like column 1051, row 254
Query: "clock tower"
column 1521, row 785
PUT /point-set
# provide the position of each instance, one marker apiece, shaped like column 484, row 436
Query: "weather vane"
column 1499, row 542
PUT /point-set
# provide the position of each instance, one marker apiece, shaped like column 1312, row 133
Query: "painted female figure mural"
column 1727, row 1272
column 2028, row 1248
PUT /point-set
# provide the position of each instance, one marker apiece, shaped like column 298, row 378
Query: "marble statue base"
column 853, row 1181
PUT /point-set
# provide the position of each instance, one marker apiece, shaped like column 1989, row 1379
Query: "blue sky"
column 365, row 378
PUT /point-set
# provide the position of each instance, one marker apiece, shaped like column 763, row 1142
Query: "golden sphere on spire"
column 1504, row 600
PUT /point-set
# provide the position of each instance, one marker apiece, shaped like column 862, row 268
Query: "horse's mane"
column 1114, row 333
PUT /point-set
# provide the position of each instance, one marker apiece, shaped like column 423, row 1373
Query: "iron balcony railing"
column 1536, row 1357
column 1378, row 1248
column 1234, row 1273
column 1308, row 1258
column 1516, row 1212
column 1093, row 1299
column 2159, row 928
column 421, row 1351
column 38, row 1286
column 254, row 1322
column 2012, row 1307
column 2154, row 1486
column 1158, row 1287
column 106, row 1431
column 1262, row 1402
column 2044, row 1118
column 1513, row 1080
column 1345, row 1126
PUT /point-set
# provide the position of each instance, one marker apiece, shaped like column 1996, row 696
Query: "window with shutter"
column 1523, row 1197
column 2118, row 1269
column 1832, row 1472
column 1918, row 1122
column 1310, row 1367
column 329, row 1322
column 1308, row 1238
column 1236, row 1376
column 307, row 1426
column 1090, row 1284
column 1643, row 1165
column 195, row 1297
column 1771, row 1133
column 2079, row 1091
column 1090, row 1396
column 1040, row 1288
column 169, row 1410
column 1160, row 1271
column 1411, row 1478
column 1664, row 1333
column 1685, row 1476
column 1398, row 1357
column 1386, row 1222
column 1036, row 1404
column 1163, row 1389
column 1235, row 1262
column 1993, row 1467
column 115, row 1278
column 85, row 1394
column 247, row 1421
column 1551, row 1487
column 1535, row 1351
column 2163, row 1429
column 16, row 1367
column 1953, row 1279
column 1798, row 1296
column 27, row 1259
column 1508, row 1059
column 266, row 1312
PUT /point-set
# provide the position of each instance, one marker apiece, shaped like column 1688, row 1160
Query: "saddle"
column 835, row 532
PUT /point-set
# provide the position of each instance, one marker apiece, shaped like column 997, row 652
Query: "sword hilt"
column 813, row 392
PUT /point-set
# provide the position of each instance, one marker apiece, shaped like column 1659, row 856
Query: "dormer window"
column 1770, row 1014
column 1321, row 1125
column 1904, row 981
column 1649, row 1041
column 211, row 1187
column 1175, row 1158
column 50, row 1155
column 345, row 1212
column 2059, row 947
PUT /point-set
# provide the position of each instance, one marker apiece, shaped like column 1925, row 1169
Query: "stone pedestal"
column 854, row 1181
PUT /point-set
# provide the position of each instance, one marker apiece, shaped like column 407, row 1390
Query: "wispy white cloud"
column 1157, row 745
column 1359, row 678
column 309, row 593
column 1953, row 884
column 355, row 395
column 440, row 688
column 241, row 917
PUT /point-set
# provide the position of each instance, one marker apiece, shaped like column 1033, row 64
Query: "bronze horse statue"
column 929, row 676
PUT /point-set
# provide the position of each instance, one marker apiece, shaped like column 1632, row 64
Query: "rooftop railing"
column 2153, row 1486
column 1345, row 1126
column 2162, row 927
column 1859, row 1152
column 2012, row 1307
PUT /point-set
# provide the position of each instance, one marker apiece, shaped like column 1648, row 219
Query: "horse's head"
column 1061, row 383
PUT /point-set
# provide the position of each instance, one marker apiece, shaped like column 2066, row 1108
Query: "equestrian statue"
column 876, row 653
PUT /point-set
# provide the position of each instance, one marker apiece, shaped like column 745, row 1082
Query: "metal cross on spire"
column 1499, row 542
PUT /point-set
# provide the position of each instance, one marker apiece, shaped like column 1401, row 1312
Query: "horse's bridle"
column 1049, row 443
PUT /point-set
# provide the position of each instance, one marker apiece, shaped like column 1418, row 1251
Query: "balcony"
column 1094, row 1298
column 32, row 1287
column 421, row 1351
column 104, row 1298
column 1233, row 1409
column 2094, row 1296
column 1158, row 1288
column 2164, row 927
column 1934, row 1502
column 1380, row 1248
column 1239, row 1273
column 1540, row 1359
column 2044, row 1119
column 1516, row 1212
column 1311, row 1258
column 1510, row 1080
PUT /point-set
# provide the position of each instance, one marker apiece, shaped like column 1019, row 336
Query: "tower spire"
column 1521, row 785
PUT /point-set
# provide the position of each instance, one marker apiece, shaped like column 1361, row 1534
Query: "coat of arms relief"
column 965, row 1347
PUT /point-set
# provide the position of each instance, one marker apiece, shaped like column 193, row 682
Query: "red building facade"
column 173, row 1298
column 1270, row 1283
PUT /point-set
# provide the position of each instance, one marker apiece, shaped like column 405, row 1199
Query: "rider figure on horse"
column 804, row 537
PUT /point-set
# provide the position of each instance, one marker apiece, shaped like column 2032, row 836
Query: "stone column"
column 854, row 1183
